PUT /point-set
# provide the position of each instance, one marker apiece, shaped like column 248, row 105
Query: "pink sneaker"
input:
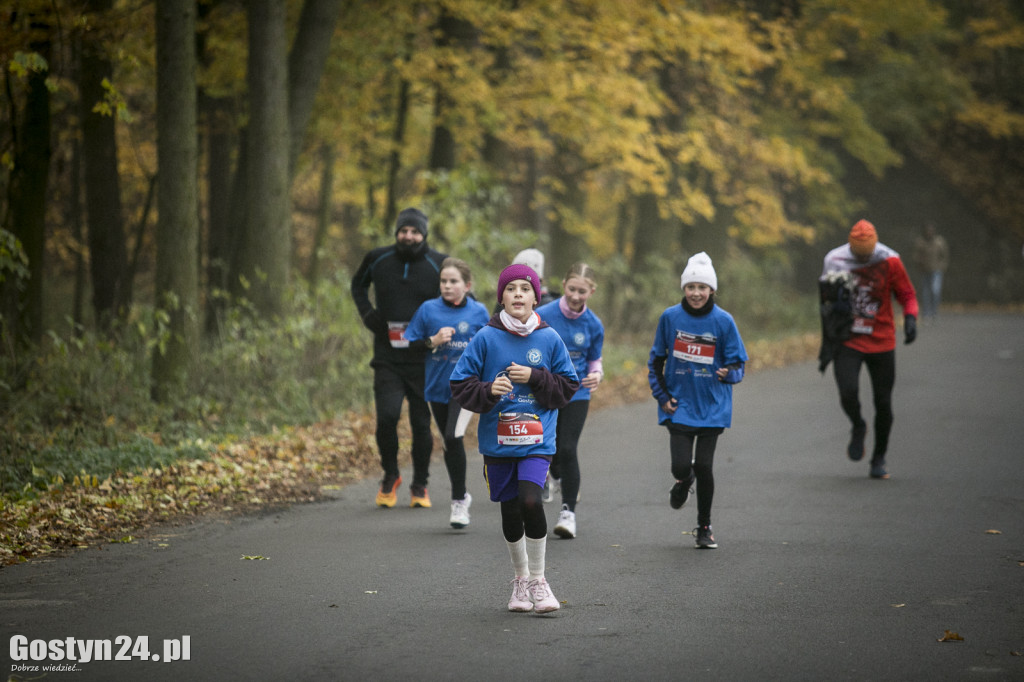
column 520, row 599
column 540, row 595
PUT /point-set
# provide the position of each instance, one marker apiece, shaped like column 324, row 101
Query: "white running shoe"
column 540, row 595
column 566, row 526
column 552, row 488
column 520, row 599
column 460, row 511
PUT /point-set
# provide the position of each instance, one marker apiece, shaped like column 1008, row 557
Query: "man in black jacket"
column 403, row 275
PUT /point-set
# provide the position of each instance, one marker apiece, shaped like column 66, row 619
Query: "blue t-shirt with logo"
column 583, row 338
column 517, row 426
column 467, row 319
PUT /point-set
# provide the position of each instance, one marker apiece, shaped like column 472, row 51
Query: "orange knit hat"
column 863, row 238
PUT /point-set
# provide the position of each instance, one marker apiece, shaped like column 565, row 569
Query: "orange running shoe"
column 420, row 498
column 388, row 498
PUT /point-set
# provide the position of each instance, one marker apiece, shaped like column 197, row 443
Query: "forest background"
column 186, row 188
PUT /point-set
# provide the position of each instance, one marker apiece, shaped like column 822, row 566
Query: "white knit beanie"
column 699, row 269
column 532, row 258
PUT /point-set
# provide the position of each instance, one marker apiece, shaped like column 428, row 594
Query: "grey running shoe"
column 705, row 540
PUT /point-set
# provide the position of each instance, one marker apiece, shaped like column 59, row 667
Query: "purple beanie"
column 518, row 271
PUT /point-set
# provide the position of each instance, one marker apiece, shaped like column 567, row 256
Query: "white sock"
column 535, row 550
column 520, row 562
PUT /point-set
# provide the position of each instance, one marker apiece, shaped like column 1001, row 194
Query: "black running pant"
column 693, row 450
column 446, row 416
column 393, row 383
column 566, row 465
column 882, row 372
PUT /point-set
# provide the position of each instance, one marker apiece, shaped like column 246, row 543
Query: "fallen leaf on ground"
column 951, row 636
column 993, row 532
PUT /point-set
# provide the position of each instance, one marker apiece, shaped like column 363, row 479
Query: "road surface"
column 821, row 574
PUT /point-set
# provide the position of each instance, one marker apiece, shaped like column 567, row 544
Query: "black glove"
column 375, row 323
column 909, row 329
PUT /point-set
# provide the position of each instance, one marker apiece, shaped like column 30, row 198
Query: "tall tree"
column 177, row 268
column 264, row 254
column 27, row 192
column 282, row 87
column 108, row 255
column 306, row 65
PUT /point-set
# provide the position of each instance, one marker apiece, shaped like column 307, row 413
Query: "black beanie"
column 413, row 217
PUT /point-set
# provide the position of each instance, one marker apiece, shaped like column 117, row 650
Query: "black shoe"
column 878, row 469
column 855, row 450
column 705, row 540
column 681, row 491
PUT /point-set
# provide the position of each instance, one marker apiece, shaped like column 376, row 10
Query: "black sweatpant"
column 693, row 450
column 882, row 372
column 393, row 383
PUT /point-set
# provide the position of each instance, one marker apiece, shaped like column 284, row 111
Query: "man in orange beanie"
column 861, row 277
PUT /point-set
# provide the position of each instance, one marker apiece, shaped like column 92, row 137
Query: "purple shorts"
column 503, row 474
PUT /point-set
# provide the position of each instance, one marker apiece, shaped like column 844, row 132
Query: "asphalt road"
column 821, row 574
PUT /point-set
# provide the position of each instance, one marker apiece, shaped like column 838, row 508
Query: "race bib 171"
column 693, row 348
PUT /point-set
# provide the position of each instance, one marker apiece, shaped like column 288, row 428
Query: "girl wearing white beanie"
column 696, row 357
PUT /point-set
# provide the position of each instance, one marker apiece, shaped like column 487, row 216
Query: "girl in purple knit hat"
column 516, row 373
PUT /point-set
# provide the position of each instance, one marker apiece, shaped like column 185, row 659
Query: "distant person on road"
column 931, row 258
column 516, row 373
column 873, row 273
column 583, row 334
column 403, row 275
column 696, row 358
column 443, row 326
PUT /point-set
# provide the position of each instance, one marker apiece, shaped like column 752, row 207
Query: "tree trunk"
column 265, row 249
column 442, row 147
column 27, row 202
column 306, row 64
column 451, row 30
column 107, row 253
column 218, row 122
column 395, row 160
column 323, row 218
column 177, row 270
column 78, row 233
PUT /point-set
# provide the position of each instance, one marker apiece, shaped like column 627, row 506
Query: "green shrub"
column 81, row 404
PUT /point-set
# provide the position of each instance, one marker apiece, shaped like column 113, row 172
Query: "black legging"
column 446, row 416
column 882, row 372
column 566, row 464
column 525, row 514
column 693, row 450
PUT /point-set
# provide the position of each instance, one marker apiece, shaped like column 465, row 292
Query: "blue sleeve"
column 418, row 326
column 597, row 345
column 656, row 364
column 466, row 381
column 734, row 376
